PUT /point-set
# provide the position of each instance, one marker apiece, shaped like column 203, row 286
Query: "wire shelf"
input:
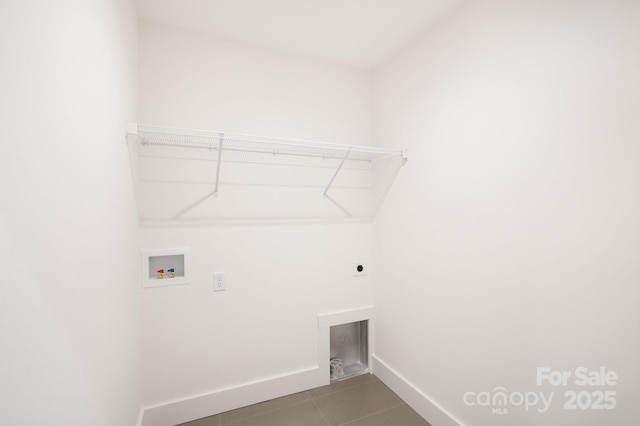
column 200, row 177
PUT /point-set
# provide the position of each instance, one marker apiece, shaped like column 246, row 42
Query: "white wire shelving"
column 194, row 177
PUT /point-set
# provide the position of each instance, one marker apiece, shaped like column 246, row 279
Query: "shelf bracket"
column 336, row 173
column 130, row 128
column 215, row 190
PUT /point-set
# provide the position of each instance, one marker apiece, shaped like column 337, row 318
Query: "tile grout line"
column 309, row 397
column 320, row 411
column 372, row 414
column 265, row 412
column 342, row 390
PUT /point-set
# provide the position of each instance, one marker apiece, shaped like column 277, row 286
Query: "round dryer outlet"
column 359, row 269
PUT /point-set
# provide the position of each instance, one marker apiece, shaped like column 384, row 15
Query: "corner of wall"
column 423, row 404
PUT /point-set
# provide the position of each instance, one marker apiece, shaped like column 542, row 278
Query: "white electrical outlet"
column 359, row 269
column 219, row 281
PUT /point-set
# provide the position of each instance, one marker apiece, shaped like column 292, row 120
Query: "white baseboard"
column 219, row 401
column 209, row 404
column 416, row 399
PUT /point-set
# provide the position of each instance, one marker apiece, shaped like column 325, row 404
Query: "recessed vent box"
column 349, row 350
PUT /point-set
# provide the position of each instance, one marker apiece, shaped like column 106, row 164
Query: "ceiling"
column 360, row 33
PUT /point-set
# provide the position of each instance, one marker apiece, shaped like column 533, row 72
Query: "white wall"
column 511, row 239
column 280, row 277
column 69, row 308
column 191, row 80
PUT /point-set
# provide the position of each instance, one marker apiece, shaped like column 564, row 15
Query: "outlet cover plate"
column 219, row 281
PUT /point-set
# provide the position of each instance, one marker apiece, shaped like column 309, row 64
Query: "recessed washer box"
column 165, row 267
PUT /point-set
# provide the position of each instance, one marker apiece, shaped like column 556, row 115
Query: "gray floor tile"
column 402, row 415
column 355, row 402
column 300, row 414
column 207, row 421
column 360, row 401
column 262, row 407
column 342, row 385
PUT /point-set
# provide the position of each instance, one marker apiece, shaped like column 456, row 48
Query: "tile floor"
column 360, row 401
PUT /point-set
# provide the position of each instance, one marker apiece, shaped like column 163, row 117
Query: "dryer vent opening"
column 349, row 350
